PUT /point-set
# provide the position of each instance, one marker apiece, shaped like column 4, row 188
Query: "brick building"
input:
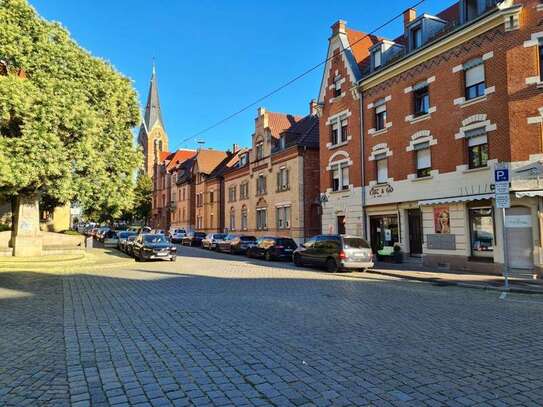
column 274, row 188
column 442, row 104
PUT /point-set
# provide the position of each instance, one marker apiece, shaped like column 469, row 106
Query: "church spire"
column 153, row 114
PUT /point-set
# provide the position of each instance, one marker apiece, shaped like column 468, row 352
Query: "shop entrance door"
column 341, row 225
column 518, row 222
column 376, row 234
column 414, row 219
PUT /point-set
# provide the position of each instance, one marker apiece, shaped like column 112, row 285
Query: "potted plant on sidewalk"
column 397, row 255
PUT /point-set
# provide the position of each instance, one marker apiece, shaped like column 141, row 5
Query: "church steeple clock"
column 152, row 136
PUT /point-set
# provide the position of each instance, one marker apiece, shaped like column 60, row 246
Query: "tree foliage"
column 65, row 130
column 143, row 197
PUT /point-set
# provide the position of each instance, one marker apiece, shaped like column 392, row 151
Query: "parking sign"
column 501, row 175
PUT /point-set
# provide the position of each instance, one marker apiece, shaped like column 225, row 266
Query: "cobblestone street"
column 215, row 329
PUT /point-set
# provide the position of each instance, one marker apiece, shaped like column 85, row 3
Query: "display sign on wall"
column 442, row 221
column 441, row 242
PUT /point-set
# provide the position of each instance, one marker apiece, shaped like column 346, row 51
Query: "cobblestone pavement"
column 214, row 329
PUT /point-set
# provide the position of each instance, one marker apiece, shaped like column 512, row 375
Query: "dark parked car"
column 240, row 244
column 129, row 245
column 193, row 239
column 335, row 252
column 123, row 236
column 153, row 247
column 273, row 248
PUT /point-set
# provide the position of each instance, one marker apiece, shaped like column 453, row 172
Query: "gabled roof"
column 305, row 133
column 178, row 157
column 279, row 122
column 208, row 160
column 362, row 44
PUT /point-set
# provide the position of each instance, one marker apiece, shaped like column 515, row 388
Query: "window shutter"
column 475, row 75
column 382, row 171
column 279, row 180
column 286, row 178
column 424, row 159
column 477, row 141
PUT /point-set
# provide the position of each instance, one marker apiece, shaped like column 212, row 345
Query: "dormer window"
column 282, row 142
column 377, row 58
column 337, row 86
column 243, row 160
column 474, row 8
column 416, row 37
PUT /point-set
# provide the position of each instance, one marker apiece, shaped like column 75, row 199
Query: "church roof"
column 153, row 114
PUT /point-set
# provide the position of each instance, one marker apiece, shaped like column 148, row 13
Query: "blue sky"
column 215, row 57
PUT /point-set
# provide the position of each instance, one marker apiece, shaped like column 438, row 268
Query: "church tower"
column 152, row 136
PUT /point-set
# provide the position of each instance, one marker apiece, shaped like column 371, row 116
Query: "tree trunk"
column 26, row 238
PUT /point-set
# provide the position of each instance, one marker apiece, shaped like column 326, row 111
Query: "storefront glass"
column 482, row 232
column 384, row 231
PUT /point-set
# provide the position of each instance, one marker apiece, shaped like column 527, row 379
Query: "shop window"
column 482, row 232
column 384, row 232
column 475, row 81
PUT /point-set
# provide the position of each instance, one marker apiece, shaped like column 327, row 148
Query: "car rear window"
column 219, row 236
column 286, row 242
column 355, row 243
column 248, row 238
column 199, row 234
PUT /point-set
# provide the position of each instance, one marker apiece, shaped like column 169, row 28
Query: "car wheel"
column 297, row 260
column 268, row 256
column 331, row 266
column 173, row 258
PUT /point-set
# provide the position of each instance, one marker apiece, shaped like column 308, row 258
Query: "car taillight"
column 342, row 255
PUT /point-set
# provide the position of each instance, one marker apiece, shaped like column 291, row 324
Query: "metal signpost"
column 503, row 201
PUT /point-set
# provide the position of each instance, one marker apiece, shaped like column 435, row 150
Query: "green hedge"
column 4, row 228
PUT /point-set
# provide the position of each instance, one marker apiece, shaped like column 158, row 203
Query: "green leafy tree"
column 65, row 128
column 143, row 197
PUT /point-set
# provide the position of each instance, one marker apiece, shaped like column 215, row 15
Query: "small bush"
column 4, row 227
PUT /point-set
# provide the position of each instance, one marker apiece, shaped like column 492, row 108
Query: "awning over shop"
column 522, row 194
column 453, row 199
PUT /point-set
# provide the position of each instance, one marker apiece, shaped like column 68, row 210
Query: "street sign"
column 503, row 201
column 501, row 175
column 501, row 188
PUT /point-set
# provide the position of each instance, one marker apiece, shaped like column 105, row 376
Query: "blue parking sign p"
column 501, row 175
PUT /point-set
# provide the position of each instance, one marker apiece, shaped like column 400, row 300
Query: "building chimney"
column 235, row 148
column 409, row 15
column 339, row 27
column 261, row 111
column 313, row 105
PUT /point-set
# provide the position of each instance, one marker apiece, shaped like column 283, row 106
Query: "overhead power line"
column 296, row 78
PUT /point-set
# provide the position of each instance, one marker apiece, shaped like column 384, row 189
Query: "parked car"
column 335, row 252
column 150, row 246
column 100, row 233
column 240, row 244
column 224, row 245
column 212, row 240
column 177, row 235
column 123, row 236
column 110, row 239
column 128, row 245
column 193, row 239
column 273, row 248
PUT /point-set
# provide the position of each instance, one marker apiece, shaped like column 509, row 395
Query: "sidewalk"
column 454, row 278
